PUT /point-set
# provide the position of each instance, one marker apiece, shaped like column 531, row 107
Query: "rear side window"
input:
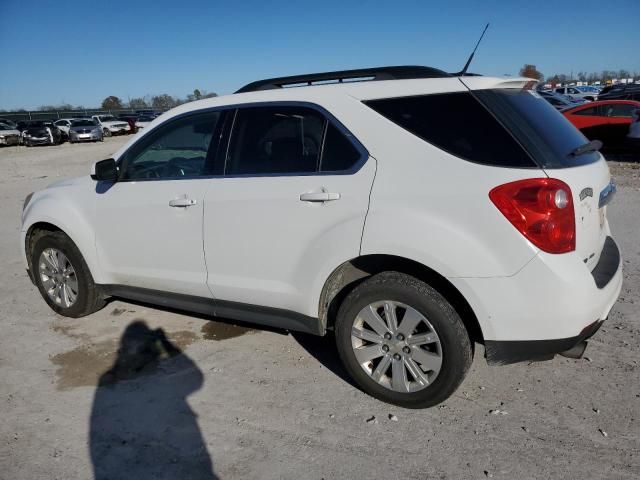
column 619, row 110
column 458, row 124
column 589, row 112
column 275, row 140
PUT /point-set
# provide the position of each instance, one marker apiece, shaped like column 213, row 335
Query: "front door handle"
column 319, row 197
column 182, row 202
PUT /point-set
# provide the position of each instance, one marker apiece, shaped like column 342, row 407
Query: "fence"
column 57, row 114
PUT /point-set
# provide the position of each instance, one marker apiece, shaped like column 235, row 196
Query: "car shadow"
column 141, row 424
column 324, row 350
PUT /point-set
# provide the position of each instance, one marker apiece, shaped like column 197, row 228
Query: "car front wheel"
column 63, row 277
column 401, row 341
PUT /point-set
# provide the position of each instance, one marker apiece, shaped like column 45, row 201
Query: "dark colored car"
column 629, row 91
column 41, row 133
column 604, row 120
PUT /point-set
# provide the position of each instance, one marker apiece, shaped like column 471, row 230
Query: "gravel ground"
column 218, row 400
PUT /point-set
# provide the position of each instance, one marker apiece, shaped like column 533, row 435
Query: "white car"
column 111, row 125
column 63, row 125
column 412, row 214
column 9, row 135
column 578, row 93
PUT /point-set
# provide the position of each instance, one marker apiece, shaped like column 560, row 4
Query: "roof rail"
column 363, row 74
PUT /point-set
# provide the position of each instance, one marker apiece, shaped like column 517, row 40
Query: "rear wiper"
column 592, row 146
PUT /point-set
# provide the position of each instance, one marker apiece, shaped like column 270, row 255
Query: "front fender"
column 70, row 212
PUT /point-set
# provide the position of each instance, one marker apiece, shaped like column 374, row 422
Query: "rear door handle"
column 182, row 202
column 319, row 197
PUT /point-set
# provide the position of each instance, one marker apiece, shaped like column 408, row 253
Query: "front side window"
column 176, row 150
column 275, row 140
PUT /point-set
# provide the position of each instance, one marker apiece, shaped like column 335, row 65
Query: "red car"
column 606, row 120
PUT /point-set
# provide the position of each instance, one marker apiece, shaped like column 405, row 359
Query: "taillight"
column 542, row 210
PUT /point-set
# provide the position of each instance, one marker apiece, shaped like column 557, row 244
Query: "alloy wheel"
column 396, row 346
column 58, row 277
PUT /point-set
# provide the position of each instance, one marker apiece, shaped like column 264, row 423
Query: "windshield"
column 5, row 127
column 546, row 134
column 107, row 118
column 83, row 123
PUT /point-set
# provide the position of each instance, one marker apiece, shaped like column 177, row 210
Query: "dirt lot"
column 253, row 404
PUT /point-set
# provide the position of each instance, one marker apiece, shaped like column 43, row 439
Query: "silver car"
column 85, row 130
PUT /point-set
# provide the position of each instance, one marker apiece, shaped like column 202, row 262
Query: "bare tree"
column 163, row 101
column 138, row 103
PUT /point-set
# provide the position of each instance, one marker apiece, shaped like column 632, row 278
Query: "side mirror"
column 105, row 170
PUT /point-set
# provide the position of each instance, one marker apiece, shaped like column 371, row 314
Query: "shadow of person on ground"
column 141, row 424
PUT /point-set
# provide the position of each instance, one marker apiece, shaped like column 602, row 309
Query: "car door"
column 149, row 223
column 289, row 209
column 619, row 119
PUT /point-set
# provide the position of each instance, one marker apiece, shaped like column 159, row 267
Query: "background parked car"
column 85, row 130
column 41, row 133
column 63, row 124
column 605, row 120
column 143, row 121
column 575, row 93
column 621, row 92
column 559, row 102
column 111, row 125
column 9, row 135
column 9, row 122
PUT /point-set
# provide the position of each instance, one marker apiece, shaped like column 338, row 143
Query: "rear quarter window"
column 457, row 123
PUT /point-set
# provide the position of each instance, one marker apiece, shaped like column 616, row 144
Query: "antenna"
column 463, row 72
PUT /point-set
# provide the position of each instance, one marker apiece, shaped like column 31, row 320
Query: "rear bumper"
column 547, row 307
column 506, row 352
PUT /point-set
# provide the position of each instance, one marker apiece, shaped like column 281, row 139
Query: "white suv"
column 412, row 215
column 111, row 125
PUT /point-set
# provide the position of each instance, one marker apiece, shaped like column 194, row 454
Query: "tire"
column 88, row 298
column 106, row 132
column 449, row 352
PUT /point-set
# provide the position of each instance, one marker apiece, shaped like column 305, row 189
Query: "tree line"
column 530, row 71
column 163, row 101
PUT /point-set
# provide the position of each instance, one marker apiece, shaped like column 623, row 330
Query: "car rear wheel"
column 401, row 341
column 63, row 277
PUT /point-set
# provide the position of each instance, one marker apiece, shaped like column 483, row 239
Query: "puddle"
column 213, row 330
column 137, row 353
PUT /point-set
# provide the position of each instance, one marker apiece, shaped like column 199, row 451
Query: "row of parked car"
column 610, row 115
column 79, row 129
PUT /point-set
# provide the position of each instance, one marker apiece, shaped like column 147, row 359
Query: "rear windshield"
column 458, row 124
column 546, row 134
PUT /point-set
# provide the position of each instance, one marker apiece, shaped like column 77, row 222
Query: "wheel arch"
column 32, row 234
column 351, row 273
